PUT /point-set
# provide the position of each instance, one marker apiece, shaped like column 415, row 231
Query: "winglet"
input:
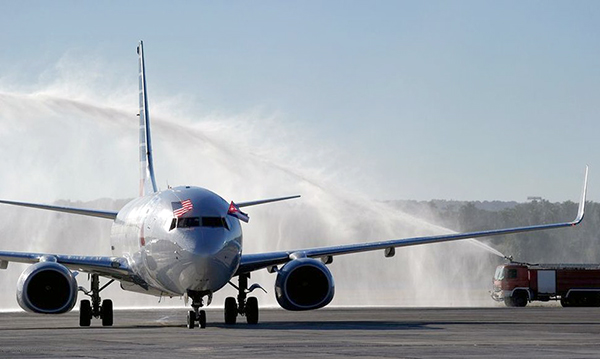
column 581, row 211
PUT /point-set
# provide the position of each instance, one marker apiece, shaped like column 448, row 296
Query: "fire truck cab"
column 517, row 284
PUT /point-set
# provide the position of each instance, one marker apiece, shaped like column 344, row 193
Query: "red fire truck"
column 575, row 285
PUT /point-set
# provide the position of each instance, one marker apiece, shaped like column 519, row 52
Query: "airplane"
column 187, row 242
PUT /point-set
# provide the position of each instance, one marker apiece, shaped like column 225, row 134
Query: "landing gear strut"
column 243, row 306
column 97, row 308
column 196, row 316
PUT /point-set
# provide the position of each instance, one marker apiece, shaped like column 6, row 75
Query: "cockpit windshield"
column 188, row 222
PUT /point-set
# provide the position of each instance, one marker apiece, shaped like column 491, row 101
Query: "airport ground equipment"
column 574, row 285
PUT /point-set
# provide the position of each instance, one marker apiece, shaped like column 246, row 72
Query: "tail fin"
column 147, row 181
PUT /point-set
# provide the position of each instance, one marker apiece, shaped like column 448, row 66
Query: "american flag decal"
column 181, row 208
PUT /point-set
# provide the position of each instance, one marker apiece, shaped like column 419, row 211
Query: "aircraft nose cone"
column 209, row 264
column 204, row 273
column 199, row 243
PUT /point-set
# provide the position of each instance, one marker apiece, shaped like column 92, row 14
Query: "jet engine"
column 47, row 288
column 304, row 284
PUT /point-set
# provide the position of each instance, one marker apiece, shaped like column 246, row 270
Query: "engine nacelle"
column 304, row 284
column 47, row 288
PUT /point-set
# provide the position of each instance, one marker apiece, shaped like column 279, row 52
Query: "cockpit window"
column 188, row 222
column 213, row 222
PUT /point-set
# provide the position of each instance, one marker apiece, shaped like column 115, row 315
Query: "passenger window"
column 512, row 274
column 173, row 224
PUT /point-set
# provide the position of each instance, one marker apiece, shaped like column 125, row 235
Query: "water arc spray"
column 55, row 145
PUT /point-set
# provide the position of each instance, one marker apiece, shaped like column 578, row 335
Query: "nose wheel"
column 196, row 317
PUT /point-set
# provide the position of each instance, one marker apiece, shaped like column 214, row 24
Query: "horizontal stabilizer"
column 263, row 201
column 81, row 211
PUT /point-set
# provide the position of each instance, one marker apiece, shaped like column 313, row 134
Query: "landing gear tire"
column 97, row 308
column 107, row 313
column 202, row 319
column 245, row 306
column 197, row 316
column 191, row 319
column 231, row 310
column 252, row 310
column 85, row 313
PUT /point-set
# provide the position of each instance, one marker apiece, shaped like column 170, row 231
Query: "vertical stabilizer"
column 147, row 181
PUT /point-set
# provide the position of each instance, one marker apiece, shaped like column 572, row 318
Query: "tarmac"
column 530, row 332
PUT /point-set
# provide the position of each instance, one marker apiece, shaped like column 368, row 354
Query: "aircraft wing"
column 252, row 262
column 113, row 267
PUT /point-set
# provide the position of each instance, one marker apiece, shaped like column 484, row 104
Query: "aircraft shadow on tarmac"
column 363, row 325
column 316, row 326
column 374, row 325
column 332, row 325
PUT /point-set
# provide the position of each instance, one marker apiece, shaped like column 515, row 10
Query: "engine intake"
column 304, row 284
column 48, row 288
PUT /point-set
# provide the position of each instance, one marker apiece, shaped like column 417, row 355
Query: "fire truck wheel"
column 519, row 299
column 509, row 302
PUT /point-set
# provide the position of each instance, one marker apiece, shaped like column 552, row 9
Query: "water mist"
column 54, row 146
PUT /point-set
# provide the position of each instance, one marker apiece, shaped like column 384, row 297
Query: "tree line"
column 580, row 244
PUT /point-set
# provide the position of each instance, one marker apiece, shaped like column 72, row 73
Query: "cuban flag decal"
column 235, row 211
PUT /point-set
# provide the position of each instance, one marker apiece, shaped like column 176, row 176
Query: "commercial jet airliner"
column 187, row 241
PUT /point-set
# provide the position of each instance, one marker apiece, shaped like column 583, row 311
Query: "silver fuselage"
column 173, row 257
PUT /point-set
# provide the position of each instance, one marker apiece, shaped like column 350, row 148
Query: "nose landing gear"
column 197, row 316
column 244, row 306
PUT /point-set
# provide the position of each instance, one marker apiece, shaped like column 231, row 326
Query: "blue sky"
column 472, row 100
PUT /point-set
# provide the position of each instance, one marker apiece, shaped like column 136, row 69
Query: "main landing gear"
column 243, row 306
column 197, row 316
column 88, row 310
